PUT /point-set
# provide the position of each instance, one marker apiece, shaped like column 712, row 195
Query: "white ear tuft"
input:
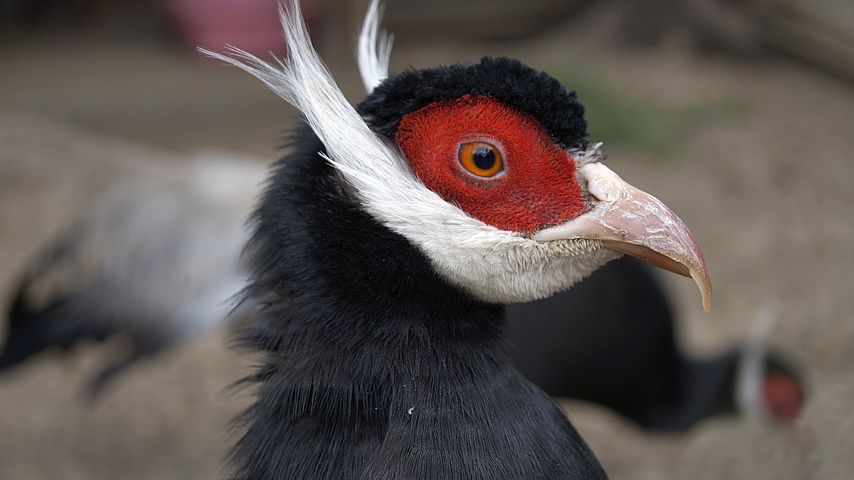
column 374, row 48
column 303, row 80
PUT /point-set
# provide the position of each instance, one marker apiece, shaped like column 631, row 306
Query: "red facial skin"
column 784, row 396
column 537, row 187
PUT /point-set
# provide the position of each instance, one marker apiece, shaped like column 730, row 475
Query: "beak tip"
column 704, row 284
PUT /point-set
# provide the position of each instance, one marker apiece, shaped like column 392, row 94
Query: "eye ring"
column 481, row 159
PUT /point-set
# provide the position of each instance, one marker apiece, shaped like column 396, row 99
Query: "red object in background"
column 251, row 25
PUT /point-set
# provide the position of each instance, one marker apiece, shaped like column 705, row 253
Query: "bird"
column 152, row 266
column 612, row 341
column 385, row 247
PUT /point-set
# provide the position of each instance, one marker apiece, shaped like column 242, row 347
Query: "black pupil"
column 484, row 158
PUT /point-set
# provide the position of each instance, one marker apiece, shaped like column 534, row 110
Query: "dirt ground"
column 765, row 188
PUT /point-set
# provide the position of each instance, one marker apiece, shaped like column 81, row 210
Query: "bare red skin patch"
column 784, row 396
column 537, row 188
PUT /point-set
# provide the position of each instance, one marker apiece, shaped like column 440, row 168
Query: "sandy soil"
column 766, row 190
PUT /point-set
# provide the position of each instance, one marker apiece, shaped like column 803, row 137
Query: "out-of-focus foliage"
column 625, row 121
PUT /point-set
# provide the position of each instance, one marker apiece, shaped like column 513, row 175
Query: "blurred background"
column 737, row 113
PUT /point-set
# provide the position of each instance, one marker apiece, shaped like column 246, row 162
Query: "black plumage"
column 365, row 374
column 504, row 79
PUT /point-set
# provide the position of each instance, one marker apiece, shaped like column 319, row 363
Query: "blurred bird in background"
column 158, row 267
column 612, row 341
column 153, row 265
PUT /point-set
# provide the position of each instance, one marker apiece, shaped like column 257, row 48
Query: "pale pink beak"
column 629, row 220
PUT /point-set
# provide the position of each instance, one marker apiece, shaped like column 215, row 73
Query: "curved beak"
column 629, row 220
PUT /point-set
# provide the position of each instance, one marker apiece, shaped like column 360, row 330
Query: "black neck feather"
column 374, row 366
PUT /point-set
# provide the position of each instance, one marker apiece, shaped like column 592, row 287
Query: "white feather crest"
column 491, row 264
column 374, row 48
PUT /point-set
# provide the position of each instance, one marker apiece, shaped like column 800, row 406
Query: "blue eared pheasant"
column 384, row 248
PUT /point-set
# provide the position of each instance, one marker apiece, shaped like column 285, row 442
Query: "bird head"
column 484, row 167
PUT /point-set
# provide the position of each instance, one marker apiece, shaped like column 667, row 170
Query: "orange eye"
column 481, row 159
